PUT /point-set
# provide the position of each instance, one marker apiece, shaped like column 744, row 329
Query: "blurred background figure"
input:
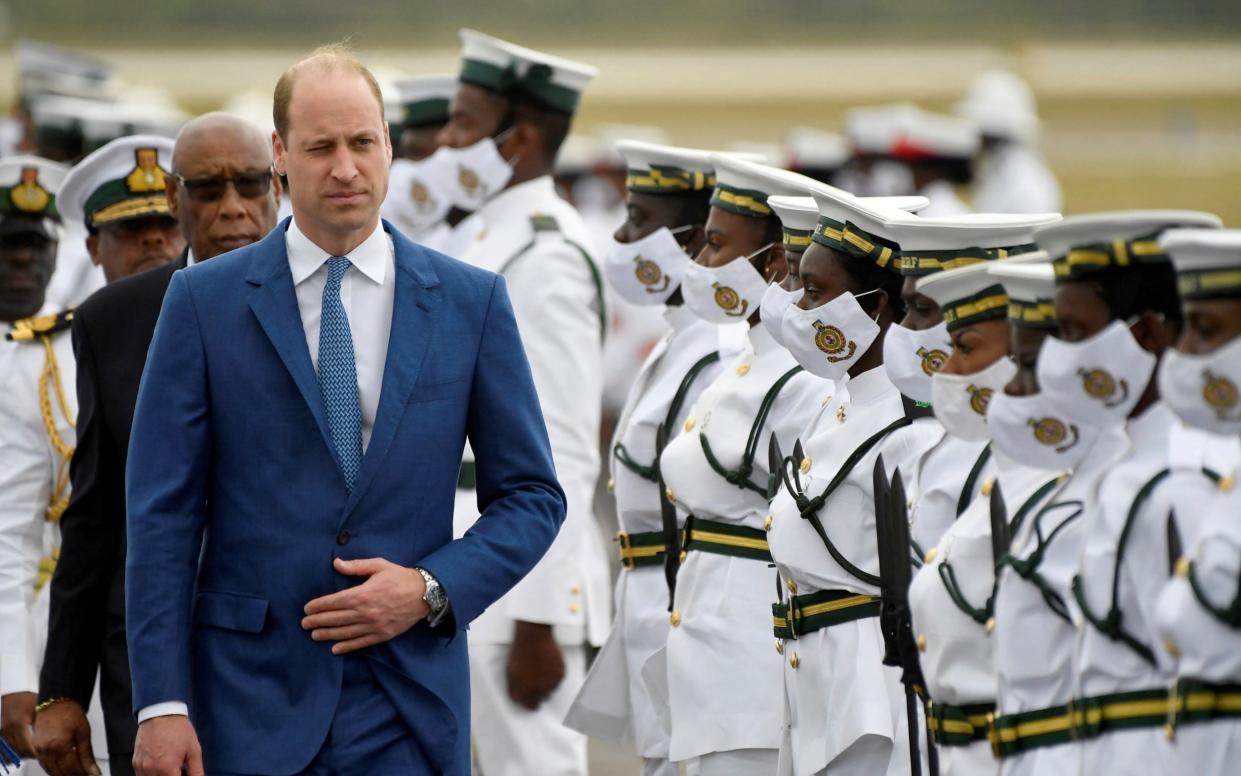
column 872, row 132
column 424, row 110
column 1012, row 176
column 815, row 153
column 938, row 151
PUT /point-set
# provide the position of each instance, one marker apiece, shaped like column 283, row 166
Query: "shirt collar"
column 527, row 195
column 371, row 257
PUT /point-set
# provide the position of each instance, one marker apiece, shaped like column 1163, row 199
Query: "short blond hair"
column 331, row 58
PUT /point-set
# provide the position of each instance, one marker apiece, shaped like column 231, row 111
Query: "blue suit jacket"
column 236, row 503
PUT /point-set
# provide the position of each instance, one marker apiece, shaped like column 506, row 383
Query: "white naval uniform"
column 837, row 692
column 76, row 276
column 1106, row 666
column 956, row 658
column 29, row 467
column 935, row 475
column 1033, row 644
column 555, row 299
column 615, row 703
column 723, row 677
column 1208, row 649
column 1013, row 178
column 944, row 200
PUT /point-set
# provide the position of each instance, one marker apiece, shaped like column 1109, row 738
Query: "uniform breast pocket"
column 441, row 391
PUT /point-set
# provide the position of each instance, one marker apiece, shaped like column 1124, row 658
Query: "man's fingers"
column 352, row 645
column 332, row 619
column 195, row 761
column 336, row 601
column 362, row 567
column 346, row 633
column 86, row 758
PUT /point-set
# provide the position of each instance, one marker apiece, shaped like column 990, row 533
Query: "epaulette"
column 28, row 329
column 544, row 223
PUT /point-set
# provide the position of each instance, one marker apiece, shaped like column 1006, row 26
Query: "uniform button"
column 668, row 495
column 779, row 647
column 1171, row 647
column 611, row 485
column 767, row 523
column 1227, row 483
column 1169, row 731
column 931, row 555
column 675, row 618
column 840, row 414
column 922, row 642
column 743, row 369
column 574, row 608
column 1181, row 569
column 689, row 424
column 826, row 399
column 575, row 590
column 806, row 464
column 990, row 625
column 987, row 484
column 684, row 555
column 342, row 538
column 792, row 583
column 794, row 661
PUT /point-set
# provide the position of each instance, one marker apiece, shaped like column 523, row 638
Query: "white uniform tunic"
column 836, row 689
column 30, row 468
column 1013, row 178
column 1208, row 649
column 615, row 703
column 723, row 676
column 1033, row 644
column 1106, row 666
column 957, row 659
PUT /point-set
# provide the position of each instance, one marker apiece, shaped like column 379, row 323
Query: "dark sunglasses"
column 210, row 188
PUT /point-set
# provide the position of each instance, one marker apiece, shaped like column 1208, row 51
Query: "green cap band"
column 1085, row 260
column 743, row 202
column 797, row 240
column 829, row 233
column 425, row 112
column 1199, row 285
column 864, row 245
column 1040, row 314
column 987, row 304
column 537, row 82
column 921, row 263
column 660, row 179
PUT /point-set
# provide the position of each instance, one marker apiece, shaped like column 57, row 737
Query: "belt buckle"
column 1075, row 720
column 626, row 551
column 993, row 735
column 794, row 616
column 932, row 723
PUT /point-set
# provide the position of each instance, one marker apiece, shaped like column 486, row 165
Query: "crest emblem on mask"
column 468, row 179
column 833, row 343
column 28, row 196
column 932, row 360
column 980, row 398
column 1099, row 384
column 147, row 176
column 1219, row 392
column 419, row 193
column 1054, row 433
column 649, row 274
column 729, row 300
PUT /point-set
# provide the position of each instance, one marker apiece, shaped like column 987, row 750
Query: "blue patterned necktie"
column 338, row 374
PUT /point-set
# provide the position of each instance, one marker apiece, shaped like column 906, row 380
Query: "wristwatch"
column 435, row 598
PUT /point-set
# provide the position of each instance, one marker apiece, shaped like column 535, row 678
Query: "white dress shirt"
column 367, row 293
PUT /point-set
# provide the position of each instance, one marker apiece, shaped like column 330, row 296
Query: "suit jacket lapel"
column 413, row 327
column 275, row 305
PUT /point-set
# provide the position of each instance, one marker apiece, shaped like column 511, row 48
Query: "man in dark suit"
column 295, row 600
column 223, row 194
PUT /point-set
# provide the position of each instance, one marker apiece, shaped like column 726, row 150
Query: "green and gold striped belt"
column 802, row 614
column 959, row 725
column 737, row 541
column 1194, row 701
column 1080, row 719
column 641, row 549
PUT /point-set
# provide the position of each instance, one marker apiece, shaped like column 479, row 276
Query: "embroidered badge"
column 1219, row 392
column 980, row 398
column 932, row 360
column 1053, row 433
column 832, row 342
column 468, row 178
column 147, row 176
column 28, row 196
column 1099, row 384
column 649, row 274
column 729, row 300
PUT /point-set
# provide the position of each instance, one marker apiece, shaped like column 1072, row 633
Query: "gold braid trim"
column 51, row 376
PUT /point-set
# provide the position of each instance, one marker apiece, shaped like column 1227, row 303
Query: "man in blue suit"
column 294, row 593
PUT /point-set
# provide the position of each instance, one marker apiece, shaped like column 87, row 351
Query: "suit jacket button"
column 342, row 538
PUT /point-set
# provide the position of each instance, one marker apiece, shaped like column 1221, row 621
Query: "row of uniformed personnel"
column 1043, row 471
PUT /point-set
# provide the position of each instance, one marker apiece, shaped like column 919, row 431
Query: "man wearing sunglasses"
column 222, row 194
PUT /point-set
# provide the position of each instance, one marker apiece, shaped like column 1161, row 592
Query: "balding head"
column 222, row 190
column 332, row 59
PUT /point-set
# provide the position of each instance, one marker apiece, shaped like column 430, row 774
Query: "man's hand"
column 16, row 718
column 164, row 745
column 381, row 608
column 535, row 664
column 62, row 740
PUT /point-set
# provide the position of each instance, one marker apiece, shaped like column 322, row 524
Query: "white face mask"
column 419, row 193
column 1203, row 389
column 911, row 357
column 1098, row 380
column 1034, row 431
column 776, row 302
column 827, row 340
column 960, row 401
column 478, row 172
column 724, row 294
column 647, row 271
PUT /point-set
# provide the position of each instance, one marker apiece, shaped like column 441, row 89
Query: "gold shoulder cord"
column 50, row 377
